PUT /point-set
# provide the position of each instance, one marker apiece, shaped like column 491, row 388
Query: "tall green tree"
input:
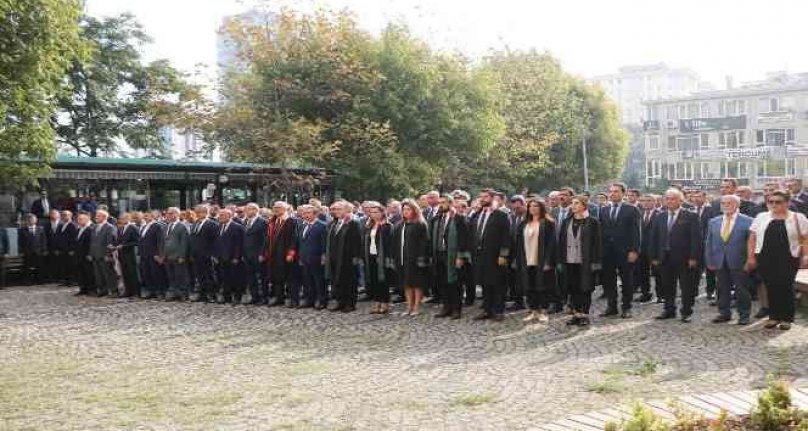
column 387, row 114
column 113, row 97
column 37, row 40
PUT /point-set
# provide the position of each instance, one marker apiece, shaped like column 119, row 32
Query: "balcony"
column 775, row 117
column 650, row 125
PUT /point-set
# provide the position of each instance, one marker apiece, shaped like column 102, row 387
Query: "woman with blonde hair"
column 409, row 250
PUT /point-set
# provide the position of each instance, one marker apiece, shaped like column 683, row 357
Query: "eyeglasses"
column 776, row 201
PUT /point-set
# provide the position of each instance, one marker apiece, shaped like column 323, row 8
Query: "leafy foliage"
column 37, row 39
column 112, row 97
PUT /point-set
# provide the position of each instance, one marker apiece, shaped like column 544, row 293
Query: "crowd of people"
column 547, row 254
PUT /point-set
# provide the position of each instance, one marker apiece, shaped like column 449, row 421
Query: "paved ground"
column 103, row 364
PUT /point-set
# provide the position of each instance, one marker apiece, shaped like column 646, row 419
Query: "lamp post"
column 586, row 166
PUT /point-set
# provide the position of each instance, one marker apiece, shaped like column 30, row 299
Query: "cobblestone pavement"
column 102, row 364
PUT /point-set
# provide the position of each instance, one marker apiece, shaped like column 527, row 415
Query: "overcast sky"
column 715, row 38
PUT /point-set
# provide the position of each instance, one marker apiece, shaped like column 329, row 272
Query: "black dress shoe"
column 583, row 321
column 444, row 313
column 319, row 307
column 645, row 298
column 348, row 309
column 468, row 302
column 292, row 305
column 608, row 313
column 721, row 319
column 275, row 302
column 199, row 299
column 336, row 308
column 455, row 315
column 573, row 321
column 686, row 318
column 762, row 313
column 305, row 305
column 665, row 316
column 625, row 315
column 516, row 306
column 100, row 294
column 743, row 321
column 432, row 300
column 497, row 318
column 483, row 316
column 80, row 293
column 660, row 301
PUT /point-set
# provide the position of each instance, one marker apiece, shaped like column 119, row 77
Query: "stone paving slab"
column 103, row 364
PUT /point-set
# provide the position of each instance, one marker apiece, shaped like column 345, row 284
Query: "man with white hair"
column 343, row 254
column 675, row 249
column 101, row 245
column 725, row 254
column 255, row 251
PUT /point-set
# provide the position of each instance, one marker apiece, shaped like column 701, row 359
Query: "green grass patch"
column 472, row 400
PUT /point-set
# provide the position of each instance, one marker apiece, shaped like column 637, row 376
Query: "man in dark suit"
column 83, row 260
column 491, row 248
column 560, row 213
column 255, row 250
column 33, row 246
column 65, row 246
column 515, row 218
column 227, row 257
column 647, row 204
column 150, row 248
column 703, row 212
column 101, row 246
column 50, row 263
column 449, row 253
column 311, row 241
column 394, row 212
column 41, row 207
column 176, row 249
column 343, row 251
column 4, row 250
column 281, row 253
column 126, row 247
column 799, row 198
column 620, row 227
column 204, row 234
column 675, row 249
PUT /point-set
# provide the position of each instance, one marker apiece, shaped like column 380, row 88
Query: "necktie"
column 481, row 225
column 306, row 230
column 726, row 231
column 613, row 215
column 671, row 219
column 645, row 219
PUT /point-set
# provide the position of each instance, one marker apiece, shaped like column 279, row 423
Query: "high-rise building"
column 756, row 133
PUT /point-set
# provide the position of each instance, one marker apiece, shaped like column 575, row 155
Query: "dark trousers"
column 467, row 280
column 153, row 276
column 313, row 281
column 32, row 268
column 779, row 280
column 345, row 292
column 452, row 293
column 646, row 271
column 710, row 280
column 254, row 270
column 128, row 263
column 560, row 295
column 51, row 266
column 84, row 274
column 608, row 276
column 377, row 282
column 66, row 263
column 539, row 283
column 106, row 280
column 580, row 296
column 179, row 278
column 205, row 283
column 515, row 291
column 231, row 280
column 670, row 274
column 739, row 279
column 280, row 279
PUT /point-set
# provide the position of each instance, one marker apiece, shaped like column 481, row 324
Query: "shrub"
column 774, row 411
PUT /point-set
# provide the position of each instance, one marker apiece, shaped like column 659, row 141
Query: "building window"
column 704, row 141
column 722, row 108
column 774, row 104
column 771, row 168
column 791, row 167
column 790, row 136
column 671, row 113
column 653, row 142
column 741, row 138
column 654, row 169
column 709, row 170
column 671, row 143
column 684, row 171
column 731, row 140
column 705, row 110
column 759, row 137
column 776, row 137
column 722, row 141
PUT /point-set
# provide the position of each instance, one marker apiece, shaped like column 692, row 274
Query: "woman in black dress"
column 579, row 258
column 409, row 250
column 376, row 257
column 775, row 242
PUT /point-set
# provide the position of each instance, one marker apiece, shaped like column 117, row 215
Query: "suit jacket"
column 683, row 242
column 495, row 242
column 32, row 243
column 103, row 236
column 38, row 209
column 176, row 244
column 65, row 240
column 255, row 238
column 733, row 251
column 620, row 235
column 707, row 213
column 591, row 252
column 230, row 242
column 281, row 241
column 555, row 212
column 343, row 251
column 83, row 241
column 311, row 246
column 151, row 240
column 645, row 232
column 204, row 235
column 4, row 246
column 747, row 207
column 51, row 234
column 128, row 238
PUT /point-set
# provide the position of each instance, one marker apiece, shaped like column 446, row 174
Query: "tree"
column 547, row 112
column 37, row 40
column 112, row 97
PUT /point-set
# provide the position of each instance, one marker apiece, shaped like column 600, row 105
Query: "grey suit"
column 106, row 280
column 176, row 248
